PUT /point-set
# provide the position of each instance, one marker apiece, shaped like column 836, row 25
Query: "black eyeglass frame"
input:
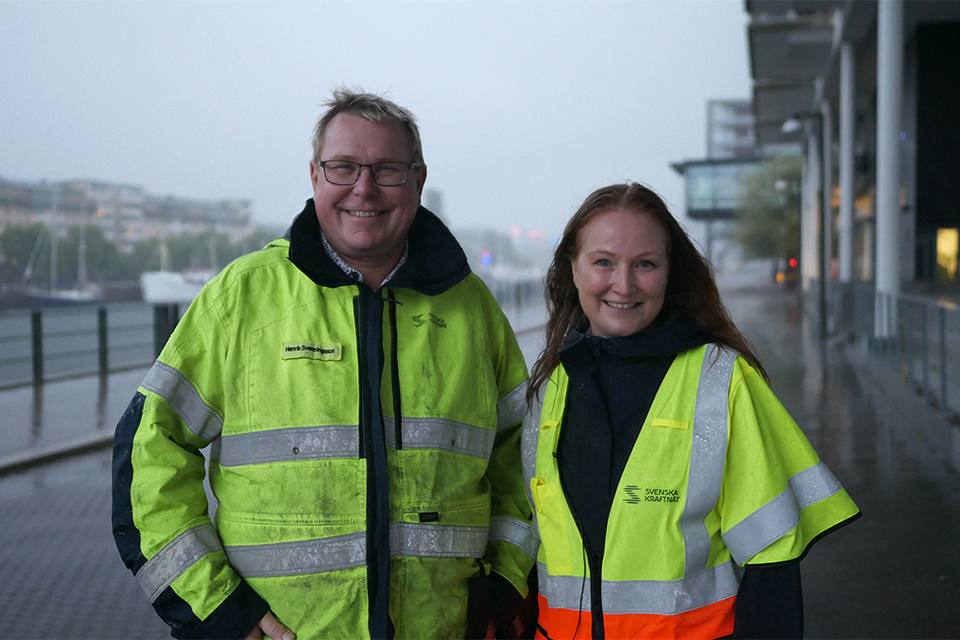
column 373, row 174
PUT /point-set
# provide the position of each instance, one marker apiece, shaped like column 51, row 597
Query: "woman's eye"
column 602, row 262
column 646, row 264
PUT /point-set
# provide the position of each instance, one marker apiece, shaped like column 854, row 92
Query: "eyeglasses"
column 385, row 174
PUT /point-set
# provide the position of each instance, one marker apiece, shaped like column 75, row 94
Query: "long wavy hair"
column 691, row 286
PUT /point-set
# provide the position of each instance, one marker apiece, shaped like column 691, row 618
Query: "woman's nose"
column 623, row 281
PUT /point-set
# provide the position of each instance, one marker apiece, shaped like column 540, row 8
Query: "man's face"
column 365, row 223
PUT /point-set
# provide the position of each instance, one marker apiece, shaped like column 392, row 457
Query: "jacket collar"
column 435, row 261
column 671, row 334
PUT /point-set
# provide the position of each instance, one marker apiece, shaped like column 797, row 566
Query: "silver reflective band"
column 511, row 407
column 657, row 597
column 516, row 532
column 442, row 434
column 301, row 557
column 707, row 454
column 437, row 541
column 529, row 442
column 184, row 399
column 778, row 517
column 179, row 555
column 285, row 445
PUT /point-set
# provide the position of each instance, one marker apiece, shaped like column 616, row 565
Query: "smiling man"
column 366, row 463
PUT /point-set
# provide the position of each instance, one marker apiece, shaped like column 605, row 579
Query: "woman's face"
column 621, row 271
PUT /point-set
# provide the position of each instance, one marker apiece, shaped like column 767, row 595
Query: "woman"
column 661, row 463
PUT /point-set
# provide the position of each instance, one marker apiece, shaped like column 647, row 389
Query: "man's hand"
column 269, row 626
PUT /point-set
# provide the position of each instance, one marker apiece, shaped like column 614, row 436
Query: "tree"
column 17, row 244
column 769, row 222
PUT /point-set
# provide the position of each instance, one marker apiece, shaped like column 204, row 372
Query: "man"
column 363, row 395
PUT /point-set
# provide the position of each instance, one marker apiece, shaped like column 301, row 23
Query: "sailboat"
column 166, row 286
column 26, row 294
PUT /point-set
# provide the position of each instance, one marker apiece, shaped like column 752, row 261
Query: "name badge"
column 311, row 350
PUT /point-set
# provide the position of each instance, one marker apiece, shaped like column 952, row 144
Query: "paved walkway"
column 895, row 573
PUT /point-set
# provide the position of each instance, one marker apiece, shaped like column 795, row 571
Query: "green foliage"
column 16, row 245
column 769, row 221
column 105, row 262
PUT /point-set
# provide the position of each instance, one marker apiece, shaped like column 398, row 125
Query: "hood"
column 673, row 333
column 435, row 260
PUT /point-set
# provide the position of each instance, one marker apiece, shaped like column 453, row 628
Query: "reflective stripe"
column 658, row 597
column 516, row 532
column 171, row 385
column 775, row 519
column 284, row 445
column 437, row 541
column 511, row 407
column 179, row 555
column 707, row 454
column 443, row 434
column 300, row 557
column 529, row 442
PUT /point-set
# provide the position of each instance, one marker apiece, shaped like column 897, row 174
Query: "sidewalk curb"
column 26, row 459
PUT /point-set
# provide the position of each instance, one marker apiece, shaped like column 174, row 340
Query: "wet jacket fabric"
column 364, row 448
column 666, row 467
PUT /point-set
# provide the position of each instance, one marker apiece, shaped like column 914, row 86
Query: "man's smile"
column 364, row 214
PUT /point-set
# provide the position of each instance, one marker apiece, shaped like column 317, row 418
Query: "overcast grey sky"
column 524, row 107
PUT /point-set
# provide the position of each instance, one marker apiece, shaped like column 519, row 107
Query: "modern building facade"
column 125, row 213
column 870, row 89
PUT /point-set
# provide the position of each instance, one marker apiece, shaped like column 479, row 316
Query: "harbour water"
column 70, row 340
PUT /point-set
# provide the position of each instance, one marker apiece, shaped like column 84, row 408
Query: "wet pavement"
column 894, row 573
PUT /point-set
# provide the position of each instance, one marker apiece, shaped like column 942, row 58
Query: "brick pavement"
column 60, row 573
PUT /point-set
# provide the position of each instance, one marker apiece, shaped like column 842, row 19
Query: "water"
column 70, row 341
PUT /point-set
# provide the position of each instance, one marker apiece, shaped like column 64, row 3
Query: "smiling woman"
column 621, row 271
column 667, row 480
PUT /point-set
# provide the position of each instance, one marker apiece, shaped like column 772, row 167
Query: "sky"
column 524, row 107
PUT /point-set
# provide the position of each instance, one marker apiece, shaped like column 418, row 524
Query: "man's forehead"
column 348, row 126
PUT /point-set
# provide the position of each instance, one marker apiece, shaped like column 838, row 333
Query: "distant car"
column 787, row 273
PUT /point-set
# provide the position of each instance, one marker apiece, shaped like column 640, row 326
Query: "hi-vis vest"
column 281, row 377
column 720, row 477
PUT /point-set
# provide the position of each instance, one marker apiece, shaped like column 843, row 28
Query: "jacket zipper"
column 395, row 371
column 596, row 566
column 368, row 311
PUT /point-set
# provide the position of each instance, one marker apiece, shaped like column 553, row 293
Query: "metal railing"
column 43, row 345
column 924, row 346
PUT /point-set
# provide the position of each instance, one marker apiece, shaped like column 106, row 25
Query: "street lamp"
column 793, row 125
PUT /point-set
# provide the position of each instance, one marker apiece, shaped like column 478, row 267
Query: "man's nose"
column 365, row 183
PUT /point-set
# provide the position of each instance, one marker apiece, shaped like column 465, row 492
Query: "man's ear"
column 421, row 178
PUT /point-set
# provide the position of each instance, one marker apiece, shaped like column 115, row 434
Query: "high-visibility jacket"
column 720, row 477
column 365, row 450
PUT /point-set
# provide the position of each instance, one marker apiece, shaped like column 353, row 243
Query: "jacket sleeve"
column 161, row 522
column 511, row 547
column 777, row 497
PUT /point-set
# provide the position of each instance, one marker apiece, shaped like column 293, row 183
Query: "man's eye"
column 388, row 169
column 346, row 167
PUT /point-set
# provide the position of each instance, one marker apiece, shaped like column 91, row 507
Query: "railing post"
column 102, row 340
column 164, row 321
column 924, row 333
column 943, row 358
column 36, row 336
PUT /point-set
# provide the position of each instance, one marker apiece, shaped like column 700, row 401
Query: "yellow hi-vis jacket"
column 720, row 477
column 365, row 455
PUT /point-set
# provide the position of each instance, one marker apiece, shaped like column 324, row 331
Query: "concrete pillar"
column 809, row 214
column 827, row 204
column 847, row 169
column 889, row 113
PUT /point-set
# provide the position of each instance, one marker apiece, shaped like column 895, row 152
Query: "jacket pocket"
column 552, row 521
